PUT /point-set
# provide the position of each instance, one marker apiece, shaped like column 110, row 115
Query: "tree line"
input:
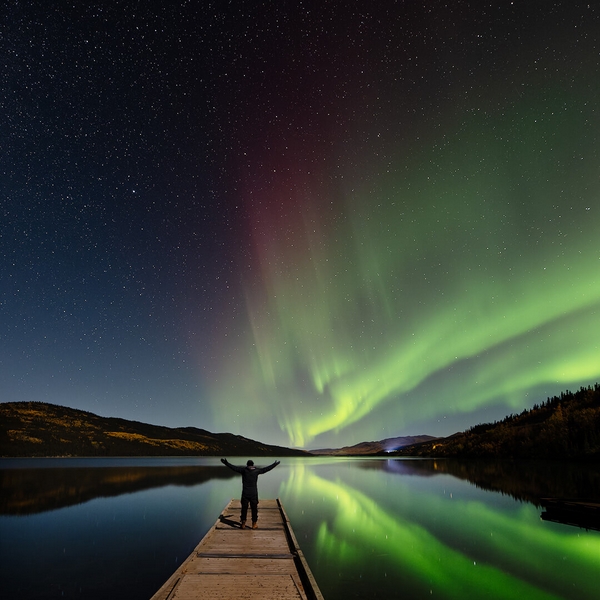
column 564, row 426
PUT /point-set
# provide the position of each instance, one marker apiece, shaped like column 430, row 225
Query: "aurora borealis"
column 311, row 224
column 439, row 293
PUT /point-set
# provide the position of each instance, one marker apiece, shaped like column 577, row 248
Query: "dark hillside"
column 565, row 426
column 31, row 429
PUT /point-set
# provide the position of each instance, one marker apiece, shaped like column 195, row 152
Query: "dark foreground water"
column 117, row 528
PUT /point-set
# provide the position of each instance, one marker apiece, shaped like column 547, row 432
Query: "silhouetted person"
column 249, row 488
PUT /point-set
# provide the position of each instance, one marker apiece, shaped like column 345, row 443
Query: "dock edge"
column 308, row 581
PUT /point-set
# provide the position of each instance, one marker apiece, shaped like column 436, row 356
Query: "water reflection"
column 38, row 489
column 368, row 528
column 523, row 480
column 452, row 549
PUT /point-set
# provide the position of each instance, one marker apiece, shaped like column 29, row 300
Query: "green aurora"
column 459, row 276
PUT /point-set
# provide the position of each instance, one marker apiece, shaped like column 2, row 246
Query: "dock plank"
column 274, row 587
column 231, row 563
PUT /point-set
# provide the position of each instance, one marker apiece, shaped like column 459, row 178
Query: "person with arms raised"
column 249, row 475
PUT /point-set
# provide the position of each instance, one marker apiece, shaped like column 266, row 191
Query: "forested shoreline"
column 565, row 426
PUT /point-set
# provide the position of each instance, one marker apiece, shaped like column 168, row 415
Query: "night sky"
column 309, row 223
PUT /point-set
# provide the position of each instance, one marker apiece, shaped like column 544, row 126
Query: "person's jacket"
column 249, row 477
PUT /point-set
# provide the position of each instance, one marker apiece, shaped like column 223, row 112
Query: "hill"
column 367, row 448
column 565, row 426
column 31, row 429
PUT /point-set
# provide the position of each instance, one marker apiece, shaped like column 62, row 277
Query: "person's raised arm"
column 232, row 467
column 272, row 466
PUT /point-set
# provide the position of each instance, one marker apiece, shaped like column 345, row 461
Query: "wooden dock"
column 231, row 563
column 579, row 513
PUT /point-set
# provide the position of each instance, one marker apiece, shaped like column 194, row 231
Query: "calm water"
column 117, row 528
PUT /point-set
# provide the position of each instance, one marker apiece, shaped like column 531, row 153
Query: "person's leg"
column 254, row 507
column 244, row 512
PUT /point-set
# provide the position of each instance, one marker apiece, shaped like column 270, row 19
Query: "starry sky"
column 311, row 223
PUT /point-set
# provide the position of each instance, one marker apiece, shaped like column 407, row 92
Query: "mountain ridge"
column 40, row 429
column 376, row 447
column 565, row 426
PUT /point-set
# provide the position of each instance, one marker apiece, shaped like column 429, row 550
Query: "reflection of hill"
column 26, row 491
column 523, row 480
column 39, row 429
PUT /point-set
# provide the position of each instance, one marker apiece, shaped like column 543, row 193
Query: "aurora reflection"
column 436, row 544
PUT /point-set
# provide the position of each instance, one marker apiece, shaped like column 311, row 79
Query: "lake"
column 369, row 528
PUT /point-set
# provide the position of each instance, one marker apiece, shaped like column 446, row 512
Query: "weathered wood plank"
column 231, row 563
column 272, row 587
column 248, row 565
